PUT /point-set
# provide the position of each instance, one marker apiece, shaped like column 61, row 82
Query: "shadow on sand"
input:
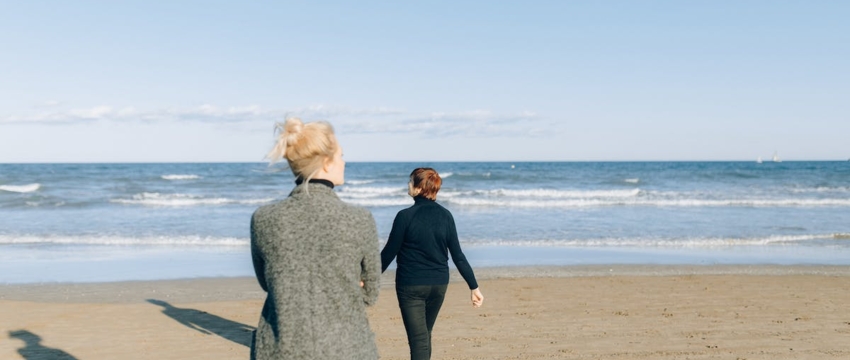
column 208, row 323
column 34, row 350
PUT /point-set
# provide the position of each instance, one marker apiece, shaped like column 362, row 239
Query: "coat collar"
column 421, row 199
column 313, row 188
column 327, row 183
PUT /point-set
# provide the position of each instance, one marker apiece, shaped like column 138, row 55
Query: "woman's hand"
column 477, row 298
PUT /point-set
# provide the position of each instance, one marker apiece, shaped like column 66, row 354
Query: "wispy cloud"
column 468, row 123
column 351, row 120
column 49, row 103
column 330, row 112
column 64, row 116
column 202, row 113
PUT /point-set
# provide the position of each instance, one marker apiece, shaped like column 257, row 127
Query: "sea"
column 119, row 222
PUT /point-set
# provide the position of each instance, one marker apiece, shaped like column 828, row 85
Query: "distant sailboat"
column 776, row 157
column 758, row 161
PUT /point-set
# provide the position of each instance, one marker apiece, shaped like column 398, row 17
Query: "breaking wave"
column 123, row 241
column 695, row 242
column 20, row 188
column 177, row 200
column 180, row 177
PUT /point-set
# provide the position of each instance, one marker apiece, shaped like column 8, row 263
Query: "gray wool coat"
column 310, row 252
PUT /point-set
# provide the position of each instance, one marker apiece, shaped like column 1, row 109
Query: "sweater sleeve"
column 370, row 265
column 257, row 256
column 458, row 257
column 394, row 242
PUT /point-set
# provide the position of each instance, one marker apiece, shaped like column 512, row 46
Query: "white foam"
column 201, row 241
column 510, row 195
column 358, row 182
column 555, row 198
column 597, row 202
column 369, row 192
column 44, row 203
column 517, row 203
column 699, row 242
column 124, row 241
column 632, row 181
column 373, row 190
column 560, row 194
column 180, row 177
column 182, row 200
column 446, row 174
column 20, row 188
column 822, row 189
column 375, row 202
column 749, row 202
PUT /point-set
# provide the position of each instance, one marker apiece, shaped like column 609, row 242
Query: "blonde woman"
column 421, row 239
column 315, row 256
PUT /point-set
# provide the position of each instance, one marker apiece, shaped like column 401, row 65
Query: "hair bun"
column 293, row 125
column 292, row 129
column 304, row 146
column 287, row 136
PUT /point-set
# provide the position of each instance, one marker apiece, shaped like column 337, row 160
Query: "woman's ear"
column 326, row 164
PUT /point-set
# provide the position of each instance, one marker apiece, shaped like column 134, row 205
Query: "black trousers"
column 419, row 306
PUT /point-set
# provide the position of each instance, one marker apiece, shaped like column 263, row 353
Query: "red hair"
column 427, row 180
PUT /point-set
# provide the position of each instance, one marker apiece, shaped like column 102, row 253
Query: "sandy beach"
column 623, row 312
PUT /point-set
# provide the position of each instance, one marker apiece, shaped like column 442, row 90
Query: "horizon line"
column 411, row 161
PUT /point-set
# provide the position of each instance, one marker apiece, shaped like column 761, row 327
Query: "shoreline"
column 20, row 264
column 222, row 288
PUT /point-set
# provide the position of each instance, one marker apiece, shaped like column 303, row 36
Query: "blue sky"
column 178, row 81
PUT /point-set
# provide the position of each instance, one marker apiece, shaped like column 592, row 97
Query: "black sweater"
column 419, row 239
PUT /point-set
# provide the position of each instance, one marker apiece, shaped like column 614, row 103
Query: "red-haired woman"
column 421, row 239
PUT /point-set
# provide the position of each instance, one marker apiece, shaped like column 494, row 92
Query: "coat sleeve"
column 257, row 255
column 370, row 265
column 394, row 242
column 458, row 257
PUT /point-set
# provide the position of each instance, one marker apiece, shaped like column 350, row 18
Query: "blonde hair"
column 304, row 146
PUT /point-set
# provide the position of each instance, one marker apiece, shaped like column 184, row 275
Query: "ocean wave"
column 201, row 241
column 822, row 189
column 632, row 181
column 495, row 193
column 20, row 188
column 124, row 241
column 378, row 202
column 697, row 242
column 370, row 192
column 583, row 203
column 446, row 174
column 358, row 182
column 554, row 198
column 43, row 203
column 559, row 194
column 524, row 203
column 752, row 203
column 184, row 200
column 180, row 177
